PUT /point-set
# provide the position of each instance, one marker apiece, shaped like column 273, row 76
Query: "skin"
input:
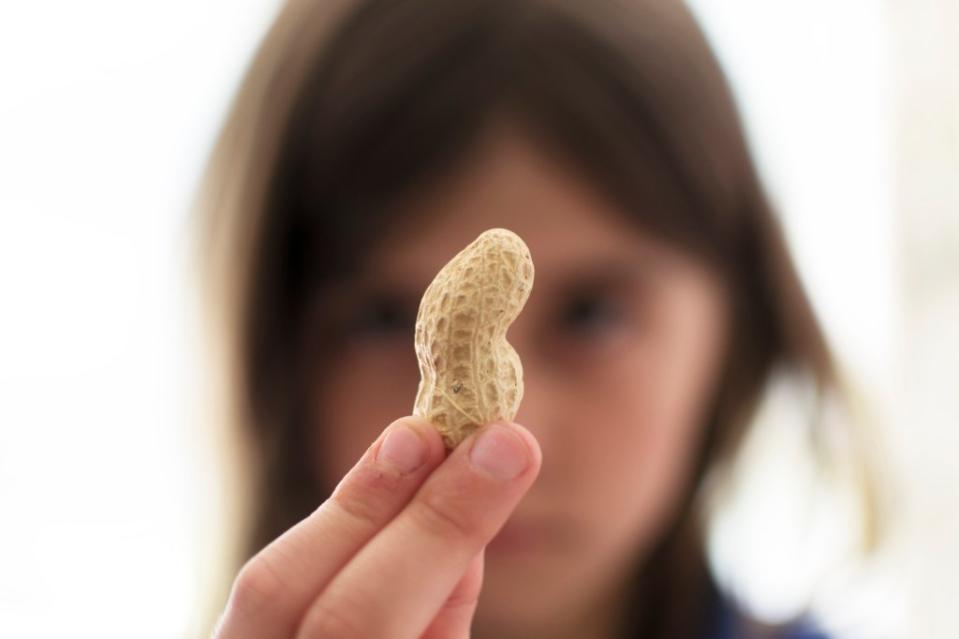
column 621, row 343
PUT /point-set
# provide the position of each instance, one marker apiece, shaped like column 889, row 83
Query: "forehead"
column 509, row 182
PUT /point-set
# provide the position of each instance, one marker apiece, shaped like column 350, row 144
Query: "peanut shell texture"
column 469, row 374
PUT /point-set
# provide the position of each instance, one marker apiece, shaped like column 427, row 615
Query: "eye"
column 588, row 313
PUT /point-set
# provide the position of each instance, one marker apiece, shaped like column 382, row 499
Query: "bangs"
column 398, row 101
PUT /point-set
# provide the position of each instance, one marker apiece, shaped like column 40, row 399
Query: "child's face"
column 621, row 342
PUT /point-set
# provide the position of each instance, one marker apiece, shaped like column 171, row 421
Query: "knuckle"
column 463, row 598
column 441, row 514
column 257, row 587
column 372, row 480
column 462, row 601
column 367, row 495
column 330, row 622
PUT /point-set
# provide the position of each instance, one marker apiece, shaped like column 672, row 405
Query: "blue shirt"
column 728, row 625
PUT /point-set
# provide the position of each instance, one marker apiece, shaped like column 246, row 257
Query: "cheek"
column 653, row 401
column 633, row 464
column 617, row 447
column 367, row 388
column 633, row 422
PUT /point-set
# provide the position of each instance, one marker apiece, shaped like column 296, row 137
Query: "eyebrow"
column 349, row 294
column 615, row 273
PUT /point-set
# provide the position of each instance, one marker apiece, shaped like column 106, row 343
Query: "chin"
column 532, row 586
column 525, row 591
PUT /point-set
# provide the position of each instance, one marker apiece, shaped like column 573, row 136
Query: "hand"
column 397, row 550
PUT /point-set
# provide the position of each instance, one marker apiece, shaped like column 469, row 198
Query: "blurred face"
column 621, row 342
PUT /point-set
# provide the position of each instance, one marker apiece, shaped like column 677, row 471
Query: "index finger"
column 277, row 585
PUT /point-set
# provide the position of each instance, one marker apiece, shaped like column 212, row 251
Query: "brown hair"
column 349, row 106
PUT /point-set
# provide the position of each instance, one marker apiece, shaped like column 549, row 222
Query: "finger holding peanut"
column 397, row 549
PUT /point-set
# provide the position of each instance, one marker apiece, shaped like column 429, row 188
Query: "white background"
column 107, row 111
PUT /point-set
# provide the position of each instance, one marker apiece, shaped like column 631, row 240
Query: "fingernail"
column 403, row 448
column 500, row 453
